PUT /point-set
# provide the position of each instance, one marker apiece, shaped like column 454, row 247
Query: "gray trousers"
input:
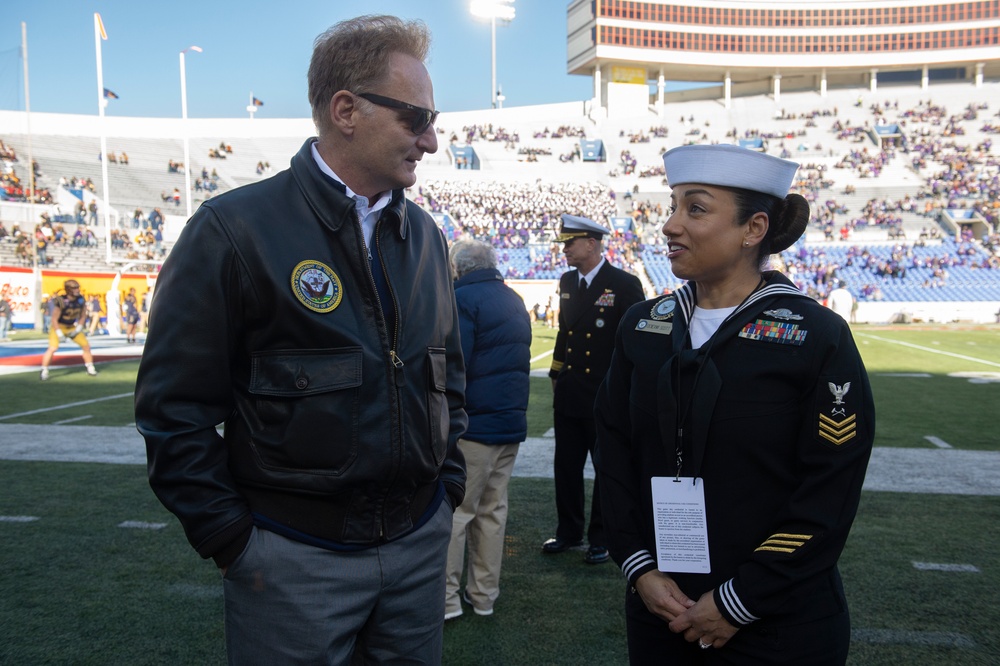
column 291, row 603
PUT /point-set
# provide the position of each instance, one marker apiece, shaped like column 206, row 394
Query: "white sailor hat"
column 729, row 166
column 574, row 226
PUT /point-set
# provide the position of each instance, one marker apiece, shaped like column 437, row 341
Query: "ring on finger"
column 703, row 645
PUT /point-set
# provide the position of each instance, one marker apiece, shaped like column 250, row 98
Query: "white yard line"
column 936, row 566
column 74, row 419
column 928, row 349
column 541, row 356
column 937, row 441
column 141, row 525
column 66, row 406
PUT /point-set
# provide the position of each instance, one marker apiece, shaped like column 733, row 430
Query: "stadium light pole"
column 493, row 10
column 184, row 129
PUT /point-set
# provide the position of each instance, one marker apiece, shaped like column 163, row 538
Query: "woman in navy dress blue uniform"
column 756, row 397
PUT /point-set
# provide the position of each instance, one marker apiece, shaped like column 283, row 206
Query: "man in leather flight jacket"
column 313, row 314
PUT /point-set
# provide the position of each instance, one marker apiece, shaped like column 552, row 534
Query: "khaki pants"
column 481, row 521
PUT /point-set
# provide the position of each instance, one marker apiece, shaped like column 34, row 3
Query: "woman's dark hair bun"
column 792, row 218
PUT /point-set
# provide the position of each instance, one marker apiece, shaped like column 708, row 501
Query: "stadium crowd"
column 519, row 219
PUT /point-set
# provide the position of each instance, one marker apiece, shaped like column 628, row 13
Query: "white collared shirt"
column 589, row 277
column 367, row 215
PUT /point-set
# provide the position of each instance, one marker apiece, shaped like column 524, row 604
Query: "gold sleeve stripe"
column 823, row 418
column 557, row 365
column 784, row 543
column 838, row 440
column 837, row 431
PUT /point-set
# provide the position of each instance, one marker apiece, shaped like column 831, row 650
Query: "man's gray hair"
column 472, row 255
column 354, row 55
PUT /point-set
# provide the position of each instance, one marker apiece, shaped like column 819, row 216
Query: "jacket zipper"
column 397, row 362
column 394, row 359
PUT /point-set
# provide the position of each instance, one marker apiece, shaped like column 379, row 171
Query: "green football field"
column 95, row 571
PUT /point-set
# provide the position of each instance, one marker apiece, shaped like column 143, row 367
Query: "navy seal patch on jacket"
column 316, row 286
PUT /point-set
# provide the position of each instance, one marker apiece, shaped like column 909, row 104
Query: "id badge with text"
column 681, row 525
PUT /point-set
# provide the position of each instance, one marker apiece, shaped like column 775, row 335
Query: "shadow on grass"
column 75, row 588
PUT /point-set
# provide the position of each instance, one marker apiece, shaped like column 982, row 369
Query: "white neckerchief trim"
column 686, row 297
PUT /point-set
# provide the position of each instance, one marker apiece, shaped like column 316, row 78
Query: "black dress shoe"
column 557, row 545
column 596, row 555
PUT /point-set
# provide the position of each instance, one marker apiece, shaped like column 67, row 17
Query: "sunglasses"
column 421, row 120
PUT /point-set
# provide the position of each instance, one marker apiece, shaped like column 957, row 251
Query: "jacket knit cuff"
column 455, row 494
column 225, row 548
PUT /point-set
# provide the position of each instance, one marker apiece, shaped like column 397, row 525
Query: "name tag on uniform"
column 681, row 525
column 652, row 326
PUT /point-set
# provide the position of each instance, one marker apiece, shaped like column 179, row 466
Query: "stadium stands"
column 879, row 169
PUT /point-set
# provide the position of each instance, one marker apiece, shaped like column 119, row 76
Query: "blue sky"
column 262, row 47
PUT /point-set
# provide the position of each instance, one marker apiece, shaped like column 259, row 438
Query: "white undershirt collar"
column 589, row 277
column 367, row 215
column 704, row 323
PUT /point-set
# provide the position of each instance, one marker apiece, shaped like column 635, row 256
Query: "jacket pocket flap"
column 438, row 364
column 298, row 372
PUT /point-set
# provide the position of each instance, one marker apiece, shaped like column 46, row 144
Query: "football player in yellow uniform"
column 69, row 317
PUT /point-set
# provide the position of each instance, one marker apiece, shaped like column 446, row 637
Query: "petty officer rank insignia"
column 664, row 309
column 316, row 286
column 774, row 331
column 607, row 299
column 841, row 425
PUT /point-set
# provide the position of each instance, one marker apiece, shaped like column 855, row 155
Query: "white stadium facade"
column 751, row 47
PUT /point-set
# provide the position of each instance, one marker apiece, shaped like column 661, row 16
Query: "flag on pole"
column 110, row 94
column 100, row 26
column 257, row 102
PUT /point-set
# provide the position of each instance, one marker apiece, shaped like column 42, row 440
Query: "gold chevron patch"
column 784, row 543
column 838, row 432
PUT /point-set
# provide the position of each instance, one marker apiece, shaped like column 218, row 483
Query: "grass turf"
column 909, row 408
column 75, row 588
